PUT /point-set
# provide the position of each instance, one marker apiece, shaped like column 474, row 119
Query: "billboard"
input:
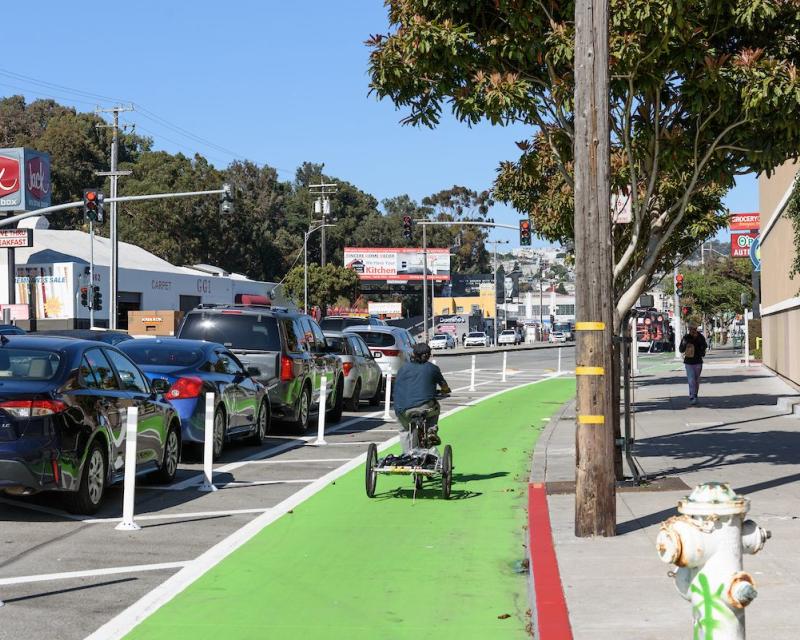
column 740, row 244
column 24, row 179
column 13, row 238
column 397, row 265
column 745, row 221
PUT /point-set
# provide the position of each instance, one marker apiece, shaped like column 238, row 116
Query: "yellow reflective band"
column 589, row 371
column 591, row 419
column 590, row 326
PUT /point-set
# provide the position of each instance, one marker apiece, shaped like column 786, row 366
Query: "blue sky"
column 276, row 82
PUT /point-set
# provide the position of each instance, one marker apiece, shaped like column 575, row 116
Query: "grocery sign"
column 397, row 265
column 24, row 179
column 15, row 238
column 740, row 244
column 745, row 221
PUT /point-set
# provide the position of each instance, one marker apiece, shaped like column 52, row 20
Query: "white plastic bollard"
column 559, row 359
column 129, row 485
column 387, row 414
column 472, row 376
column 323, row 398
column 208, row 447
column 505, row 362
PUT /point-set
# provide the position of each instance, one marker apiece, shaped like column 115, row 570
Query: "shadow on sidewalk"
column 740, row 401
column 649, row 381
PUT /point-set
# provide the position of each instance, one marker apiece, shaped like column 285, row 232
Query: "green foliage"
column 792, row 212
column 700, row 91
column 326, row 285
column 718, row 290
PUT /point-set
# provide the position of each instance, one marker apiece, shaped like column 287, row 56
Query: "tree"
column 717, row 288
column 701, row 91
column 326, row 285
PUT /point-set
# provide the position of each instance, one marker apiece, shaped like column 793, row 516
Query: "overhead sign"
column 745, row 221
column 755, row 254
column 15, row 238
column 400, row 264
column 741, row 243
column 24, row 179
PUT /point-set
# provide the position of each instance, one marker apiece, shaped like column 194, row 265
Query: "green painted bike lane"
column 344, row 566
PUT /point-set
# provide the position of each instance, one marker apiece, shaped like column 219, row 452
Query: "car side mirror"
column 253, row 372
column 160, row 386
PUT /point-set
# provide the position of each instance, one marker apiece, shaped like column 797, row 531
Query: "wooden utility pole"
column 595, row 499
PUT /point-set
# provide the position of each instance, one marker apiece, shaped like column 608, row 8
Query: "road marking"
column 121, row 624
column 43, row 509
column 92, row 573
column 301, row 461
column 170, row 516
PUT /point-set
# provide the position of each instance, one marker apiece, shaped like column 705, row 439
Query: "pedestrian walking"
column 693, row 347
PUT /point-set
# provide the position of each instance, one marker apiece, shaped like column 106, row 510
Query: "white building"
column 58, row 263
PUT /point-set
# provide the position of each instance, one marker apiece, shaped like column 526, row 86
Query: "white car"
column 442, row 341
column 476, row 339
column 390, row 346
column 509, row 336
column 558, row 336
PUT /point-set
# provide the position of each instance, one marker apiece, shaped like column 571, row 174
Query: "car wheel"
column 172, row 452
column 354, row 402
column 86, row 500
column 219, row 433
column 303, row 409
column 261, row 426
column 375, row 399
column 335, row 413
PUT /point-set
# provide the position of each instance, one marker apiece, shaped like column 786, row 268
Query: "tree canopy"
column 700, row 91
column 326, row 285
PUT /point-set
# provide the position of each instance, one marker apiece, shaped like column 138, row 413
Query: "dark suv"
column 288, row 348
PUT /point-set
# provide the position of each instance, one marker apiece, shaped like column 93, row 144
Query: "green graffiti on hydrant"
column 703, row 613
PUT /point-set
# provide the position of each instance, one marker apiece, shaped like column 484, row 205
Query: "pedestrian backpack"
column 689, row 353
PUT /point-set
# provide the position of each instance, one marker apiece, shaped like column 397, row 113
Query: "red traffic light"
column 91, row 195
column 679, row 278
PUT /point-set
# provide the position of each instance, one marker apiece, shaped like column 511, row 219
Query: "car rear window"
column 507, row 333
column 475, row 334
column 440, row 336
column 235, row 331
column 28, row 364
column 162, row 354
column 377, row 339
column 339, row 324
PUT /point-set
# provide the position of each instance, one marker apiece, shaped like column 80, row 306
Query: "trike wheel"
column 418, row 481
column 447, row 472
column 371, row 478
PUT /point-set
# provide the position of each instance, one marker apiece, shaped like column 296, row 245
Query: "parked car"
column 442, row 341
column 508, row 336
column 100, row 335
column 288, row 348
column 391, row 346
column 558, row 336
column 63, row 406
column 476, row 339
column 362, row 375
column 340, row 323
column 11, row 330
column 193, row 368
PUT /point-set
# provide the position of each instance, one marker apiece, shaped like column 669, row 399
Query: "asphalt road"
column 65, row 576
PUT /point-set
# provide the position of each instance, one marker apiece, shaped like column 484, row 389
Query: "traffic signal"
column 97, row 298
column 100, row 216
column 408, row 227
column 226, row 200
column 679, row 284
column 525, row 233
column 92, row 205
column 686, row 311
column 84, row 296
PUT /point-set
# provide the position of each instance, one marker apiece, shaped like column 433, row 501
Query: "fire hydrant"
column 706, row 543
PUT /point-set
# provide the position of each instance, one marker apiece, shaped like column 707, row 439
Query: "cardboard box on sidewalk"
column 154, row 323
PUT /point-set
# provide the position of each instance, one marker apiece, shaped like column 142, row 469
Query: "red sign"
column 9, row 175
column 37, row 177
column 745, row 222
column 13, row 238
column 740, row 244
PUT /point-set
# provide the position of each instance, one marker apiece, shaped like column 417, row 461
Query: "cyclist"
column 415, row 393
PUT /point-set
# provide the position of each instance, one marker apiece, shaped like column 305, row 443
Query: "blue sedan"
column 193, row 368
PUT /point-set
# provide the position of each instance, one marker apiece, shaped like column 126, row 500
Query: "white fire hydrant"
column 706, row 543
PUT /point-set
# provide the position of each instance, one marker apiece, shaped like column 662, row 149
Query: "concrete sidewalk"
column 617, row 588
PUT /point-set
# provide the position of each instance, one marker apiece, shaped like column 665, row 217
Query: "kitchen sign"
column 16, row 238
column 24, row 179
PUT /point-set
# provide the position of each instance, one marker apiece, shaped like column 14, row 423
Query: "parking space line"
column 42, row 509
column 170, row 516
column 93, row 573
column 304, row 461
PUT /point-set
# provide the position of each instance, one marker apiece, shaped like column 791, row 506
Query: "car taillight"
column 390, row 352
column 33, row 408
column 347, row 367
column 183, row 388
column 287, row 369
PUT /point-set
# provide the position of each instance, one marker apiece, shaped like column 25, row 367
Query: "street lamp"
column 305, row 261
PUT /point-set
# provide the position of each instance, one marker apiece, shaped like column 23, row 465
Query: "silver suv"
column 288, row 348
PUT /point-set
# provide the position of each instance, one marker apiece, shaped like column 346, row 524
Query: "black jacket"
column 700, row 347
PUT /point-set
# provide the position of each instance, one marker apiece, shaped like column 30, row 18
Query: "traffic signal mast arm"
column 46, row 211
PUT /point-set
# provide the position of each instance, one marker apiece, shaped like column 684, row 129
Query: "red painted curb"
column 551, row 606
